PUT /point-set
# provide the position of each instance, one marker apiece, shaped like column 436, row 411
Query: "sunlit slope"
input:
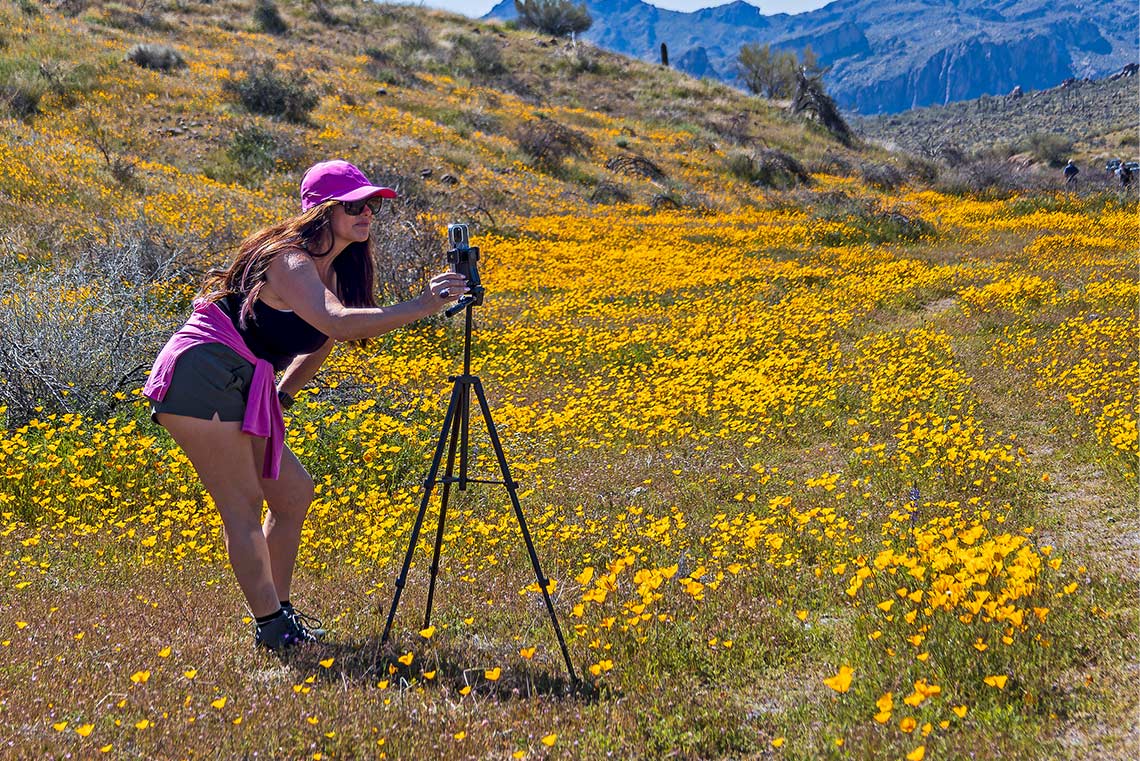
column 438, row 105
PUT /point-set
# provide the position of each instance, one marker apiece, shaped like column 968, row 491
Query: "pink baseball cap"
column 337, row 180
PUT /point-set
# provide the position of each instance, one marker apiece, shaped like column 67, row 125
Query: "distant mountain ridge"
column 888, row 55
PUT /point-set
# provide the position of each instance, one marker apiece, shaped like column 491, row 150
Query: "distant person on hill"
column 1125, row 173
column 293, row 290
column 1071, row 172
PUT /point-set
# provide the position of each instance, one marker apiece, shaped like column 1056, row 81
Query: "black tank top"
column 273, row 335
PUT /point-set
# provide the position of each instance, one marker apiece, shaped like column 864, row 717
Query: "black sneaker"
column 280, row 634
column 312, row 625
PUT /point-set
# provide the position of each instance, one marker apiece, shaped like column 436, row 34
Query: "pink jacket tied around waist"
column 263, row 416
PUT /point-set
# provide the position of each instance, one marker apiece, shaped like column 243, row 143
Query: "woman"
column 294, row 289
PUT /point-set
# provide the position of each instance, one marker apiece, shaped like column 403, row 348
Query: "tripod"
column 454, row 434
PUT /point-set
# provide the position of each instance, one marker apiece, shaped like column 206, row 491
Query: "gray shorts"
column 208, row 378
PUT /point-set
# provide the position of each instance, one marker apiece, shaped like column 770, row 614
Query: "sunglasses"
column 356, row 208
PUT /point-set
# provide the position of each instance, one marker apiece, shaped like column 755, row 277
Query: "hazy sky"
column 476, row 8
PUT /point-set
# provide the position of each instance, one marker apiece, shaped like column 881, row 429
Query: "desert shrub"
column 557, row 17
column 390, row 68
column 635, row 165
column 580, row 59
column 322, row 13
column 609, row 192
column 883, row 176
column 71, row 8
column 549, row 143
column 24, row 82
column 417, row 37
column 984, row 177
column 1047, row 147
column 268, row 18
column 924, row 169
column 1131, row 139
column 156, row 57
column 259, row 151
column 126, row 17
column 865, row 220
column 79, row 338
column 480, row 55
column 408, row 249
column 767, row 168
column 20, row 94
column 265, row 90
column 831, row 163
column 766, row 72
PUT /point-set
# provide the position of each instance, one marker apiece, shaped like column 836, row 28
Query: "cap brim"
column 367, row 191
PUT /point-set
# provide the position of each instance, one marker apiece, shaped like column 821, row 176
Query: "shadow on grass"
column 368, row 661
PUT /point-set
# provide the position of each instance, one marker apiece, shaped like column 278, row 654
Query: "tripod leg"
column 457, row 421
column 429, row 486
column 512, row 491
column 464, row 425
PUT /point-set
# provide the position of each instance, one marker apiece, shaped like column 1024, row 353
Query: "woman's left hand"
column 443, row 289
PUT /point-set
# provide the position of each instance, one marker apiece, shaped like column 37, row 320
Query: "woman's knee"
column 240, row 508
column 293, row 503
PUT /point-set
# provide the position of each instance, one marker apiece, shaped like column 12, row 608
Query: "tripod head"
column 463, row 259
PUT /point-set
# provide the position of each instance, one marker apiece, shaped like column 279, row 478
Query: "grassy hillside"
column 821, row 461
column 401, row 90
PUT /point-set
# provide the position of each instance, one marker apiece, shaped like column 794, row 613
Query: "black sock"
column 286, row 605
column 262, row 620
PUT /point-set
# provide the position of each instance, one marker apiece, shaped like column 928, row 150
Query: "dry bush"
column 129, row 18
column 768, row 168
column 265, row 90
column 268, row 18
column 986, row 177
column 80, row 338
column 609, row 192
column 883, row 176
column 408, row 250
column 549, row 143
column 155, row 57
column 635, row 165
column 20, row 95
column 480, row 54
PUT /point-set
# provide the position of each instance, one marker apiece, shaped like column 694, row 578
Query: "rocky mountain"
column 888, row 55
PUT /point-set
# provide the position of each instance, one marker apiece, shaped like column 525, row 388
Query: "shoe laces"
column 312, row 626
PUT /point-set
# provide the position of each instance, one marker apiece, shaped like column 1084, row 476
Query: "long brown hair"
column 309, row 232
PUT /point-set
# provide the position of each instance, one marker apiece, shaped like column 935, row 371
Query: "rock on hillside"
column 889, row 55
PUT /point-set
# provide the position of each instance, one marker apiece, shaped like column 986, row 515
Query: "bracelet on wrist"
column 285, row 399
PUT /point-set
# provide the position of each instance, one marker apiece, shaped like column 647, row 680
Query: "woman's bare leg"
column 289, row 498
column 224, row 458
